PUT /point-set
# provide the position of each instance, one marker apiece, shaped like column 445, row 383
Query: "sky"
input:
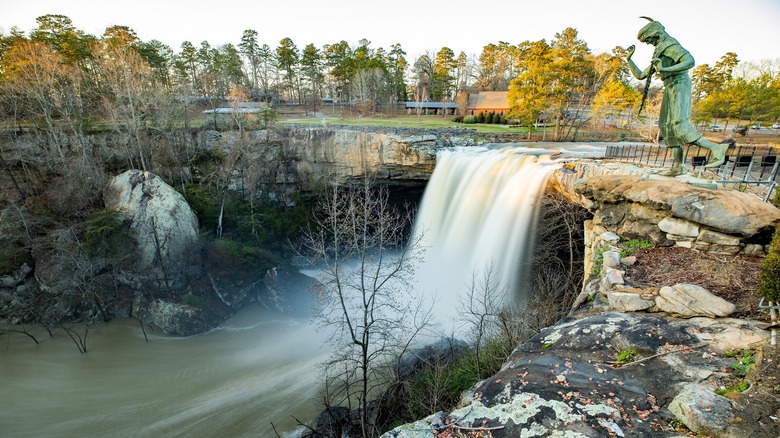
column 707, row 28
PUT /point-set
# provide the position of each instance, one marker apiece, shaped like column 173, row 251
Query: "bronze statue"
column 672, row 62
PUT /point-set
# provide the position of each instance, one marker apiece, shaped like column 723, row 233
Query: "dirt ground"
column 734, row 278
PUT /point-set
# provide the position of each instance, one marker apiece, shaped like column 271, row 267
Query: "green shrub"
column 769, row 280
column 204, row 203
column 231, row 252
column 625, row 248
column 268, row 224
column 632, row 245
column 626, row 356
column 628, row 247
column 12, row 257
column 267, row 117
column 736, row 388
column 449, row 382
column 107, row 234
column 470, row 120
column 438, row 387
column 744, row 362
column 598, row 260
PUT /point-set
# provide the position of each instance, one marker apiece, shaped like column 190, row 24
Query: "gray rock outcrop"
column 178, row 319
column 669, row 212
column 701, row 410
column 164, row 226
column 565, row 381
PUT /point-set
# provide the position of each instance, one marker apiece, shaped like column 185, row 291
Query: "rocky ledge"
column 567, row 381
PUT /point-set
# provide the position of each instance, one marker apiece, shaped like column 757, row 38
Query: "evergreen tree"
column 769, row 284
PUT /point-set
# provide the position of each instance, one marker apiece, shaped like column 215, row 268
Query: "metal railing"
column 752, row 165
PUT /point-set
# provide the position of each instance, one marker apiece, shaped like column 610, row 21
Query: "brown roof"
column 489, row 100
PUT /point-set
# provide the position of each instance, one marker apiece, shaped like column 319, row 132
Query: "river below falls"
column 256, row 372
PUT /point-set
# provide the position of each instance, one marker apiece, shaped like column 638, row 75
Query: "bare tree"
column 235, row 98
column 557, row 266
column 556, row 272
column 358, row 243
column 485, row 310
column 36, row 76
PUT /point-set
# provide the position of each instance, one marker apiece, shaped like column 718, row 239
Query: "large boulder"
column 164, row 227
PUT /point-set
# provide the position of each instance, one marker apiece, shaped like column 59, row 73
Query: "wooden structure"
column 485, row 102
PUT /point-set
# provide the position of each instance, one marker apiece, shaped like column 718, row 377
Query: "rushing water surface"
column 254, row 374
column 258, row 368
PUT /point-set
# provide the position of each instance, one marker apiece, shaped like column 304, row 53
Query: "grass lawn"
column 428, row 122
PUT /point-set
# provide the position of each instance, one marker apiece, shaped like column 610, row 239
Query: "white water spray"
column 479, row 210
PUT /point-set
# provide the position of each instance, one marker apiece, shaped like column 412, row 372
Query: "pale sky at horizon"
column 750, row 28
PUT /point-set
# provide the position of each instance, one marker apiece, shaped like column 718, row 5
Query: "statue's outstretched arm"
column 639, row 74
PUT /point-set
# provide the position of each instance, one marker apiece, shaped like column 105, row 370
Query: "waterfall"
column 479, row 210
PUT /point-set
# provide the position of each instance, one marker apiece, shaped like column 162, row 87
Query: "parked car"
column 755, row 126
column 716, row 128
column 776, row 126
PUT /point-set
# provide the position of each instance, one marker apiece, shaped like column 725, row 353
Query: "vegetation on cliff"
column 769, row 285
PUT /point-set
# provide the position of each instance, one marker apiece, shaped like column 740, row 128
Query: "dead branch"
column 22, row 331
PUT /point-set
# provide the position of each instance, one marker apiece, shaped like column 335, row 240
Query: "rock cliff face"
column 305, row 157
column 343, row 152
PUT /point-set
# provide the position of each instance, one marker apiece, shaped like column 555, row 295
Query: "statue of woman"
column 672, row 62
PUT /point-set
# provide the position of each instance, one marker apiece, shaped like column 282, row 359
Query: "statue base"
column 686, row 178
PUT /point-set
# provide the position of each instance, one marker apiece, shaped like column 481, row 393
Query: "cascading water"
column 478, row 213
column 257, row 373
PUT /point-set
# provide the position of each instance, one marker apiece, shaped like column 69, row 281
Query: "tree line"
column 556, row 80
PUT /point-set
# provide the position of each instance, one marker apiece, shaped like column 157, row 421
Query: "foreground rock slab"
column 566, row 382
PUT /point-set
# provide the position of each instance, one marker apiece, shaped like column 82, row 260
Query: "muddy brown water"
column 254, row 373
